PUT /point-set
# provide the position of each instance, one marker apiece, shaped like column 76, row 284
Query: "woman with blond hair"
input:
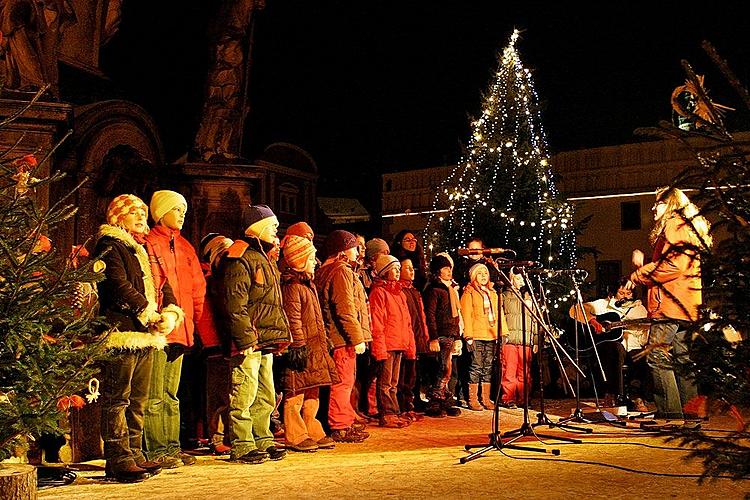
column 673, row 278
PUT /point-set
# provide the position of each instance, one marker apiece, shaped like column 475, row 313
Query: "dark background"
column 381, row 86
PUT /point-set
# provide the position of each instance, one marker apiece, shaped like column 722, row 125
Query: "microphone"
column 484, row 251
column 516, row 263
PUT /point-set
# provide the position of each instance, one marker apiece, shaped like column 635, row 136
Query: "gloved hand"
column 598, row 328
column 296, row 358
column 457, row 348
column 167, row 323
column 470, row 345
column 434, row 345
column 360, row 348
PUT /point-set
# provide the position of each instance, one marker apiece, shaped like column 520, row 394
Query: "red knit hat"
column 300, row 229
column 297, row 251
column 121, row 206
column 339, row 241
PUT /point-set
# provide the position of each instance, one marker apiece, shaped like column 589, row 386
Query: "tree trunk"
column 17, row 481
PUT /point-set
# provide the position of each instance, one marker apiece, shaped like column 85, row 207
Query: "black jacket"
column 437, row 309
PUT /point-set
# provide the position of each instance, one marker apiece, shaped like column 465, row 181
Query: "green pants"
column 252, row 398
column 161, row 433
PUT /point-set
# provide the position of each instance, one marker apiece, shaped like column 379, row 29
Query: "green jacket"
column 514, row 313
column 250, row 301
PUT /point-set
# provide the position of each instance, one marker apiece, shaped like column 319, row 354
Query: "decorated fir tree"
column 48, row 345
column 719, row 353
column 503, row 190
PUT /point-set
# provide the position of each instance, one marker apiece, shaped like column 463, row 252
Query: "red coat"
column 391, row 321
column 205, row 326
column 173, row 258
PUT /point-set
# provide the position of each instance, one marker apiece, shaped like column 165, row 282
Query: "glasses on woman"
column 409, row 240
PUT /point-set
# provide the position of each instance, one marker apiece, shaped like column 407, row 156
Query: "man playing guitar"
column 613, row 340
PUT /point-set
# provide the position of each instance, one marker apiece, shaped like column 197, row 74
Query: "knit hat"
column 447, row 256
column 257, row 219
column 384, row 263
column 212, row 245
column 300, row 229
column 438, row 262
column 297, row 250
column 339, row 241
column 473, row 270
column 375, row 246
column 164, row 201
column 120, row 207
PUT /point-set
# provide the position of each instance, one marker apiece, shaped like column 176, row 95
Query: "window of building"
column 630, row 215
column 288, row 195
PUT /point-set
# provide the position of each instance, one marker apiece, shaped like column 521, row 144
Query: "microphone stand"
column 542, row 418
column 496, row 437
column 577, row 415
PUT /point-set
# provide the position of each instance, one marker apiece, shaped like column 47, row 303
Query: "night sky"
column 381, row 86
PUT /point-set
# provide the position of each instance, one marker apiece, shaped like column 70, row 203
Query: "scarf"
column 486, row 302
column 455, row 301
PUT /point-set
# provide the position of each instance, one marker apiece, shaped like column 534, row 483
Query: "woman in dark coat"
column 308, row 363
column 406, row 245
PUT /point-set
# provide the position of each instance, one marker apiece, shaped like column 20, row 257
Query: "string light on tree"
column 503, row 189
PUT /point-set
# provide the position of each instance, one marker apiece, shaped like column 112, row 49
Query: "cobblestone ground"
column 422, row 461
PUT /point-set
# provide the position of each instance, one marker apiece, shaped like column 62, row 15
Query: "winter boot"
column 473, row 401
column 486, row 400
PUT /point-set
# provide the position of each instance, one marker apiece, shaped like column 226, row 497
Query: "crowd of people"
column 371, row 334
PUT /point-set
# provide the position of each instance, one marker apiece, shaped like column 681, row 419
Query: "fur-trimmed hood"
column 131, row 338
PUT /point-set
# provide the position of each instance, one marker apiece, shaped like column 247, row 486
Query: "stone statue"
column 225, row 106
column 31, row 31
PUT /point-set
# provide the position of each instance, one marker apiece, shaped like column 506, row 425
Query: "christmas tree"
column 503, row 190
column 48, row 345
column 719, row 354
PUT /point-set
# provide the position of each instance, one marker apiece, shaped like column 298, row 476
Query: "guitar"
column 613, row 331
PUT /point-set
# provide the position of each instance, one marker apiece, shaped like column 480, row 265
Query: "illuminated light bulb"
column 508, row 144
column 544, row 163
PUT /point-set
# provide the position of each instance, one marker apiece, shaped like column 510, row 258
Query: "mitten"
column 297, row 358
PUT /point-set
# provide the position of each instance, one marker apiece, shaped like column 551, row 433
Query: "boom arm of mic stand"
column 546, row 324
column 582, row 310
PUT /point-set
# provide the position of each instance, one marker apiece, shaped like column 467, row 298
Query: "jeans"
column 161, row 433
column 445, row 361
column 125, row 381
column 482, row 361
column 388, row 384
column 407, row 384
column 252, row 399
column 672, row 388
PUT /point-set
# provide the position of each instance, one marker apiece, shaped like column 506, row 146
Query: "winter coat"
column 206, row 327
column 437, row 309
column 343, row 303
column 128, row 294
column 513, row 317
column 174, row 259
column 306, row 325
column 416, row 313
column 391, row 322
column 476, row 321
column 249, row 300
column 673, row 276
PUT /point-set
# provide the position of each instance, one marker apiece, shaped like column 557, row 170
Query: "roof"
column 343, row 210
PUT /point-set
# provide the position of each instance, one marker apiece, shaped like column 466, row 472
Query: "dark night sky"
column 380, row 86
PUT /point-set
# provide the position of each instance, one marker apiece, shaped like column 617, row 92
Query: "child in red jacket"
column 392, row 337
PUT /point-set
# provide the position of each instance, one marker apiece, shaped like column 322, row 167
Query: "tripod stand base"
column 496, row 443
column 542, row 419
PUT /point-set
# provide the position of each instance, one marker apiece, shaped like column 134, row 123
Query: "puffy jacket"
column 343, row 302
column 249, row 300
column 306, row 325
column 128, row 293
column 673, row 276
column 173, row 259
column 437, row 309
column 514, row 317
column 206, row 327
column 391, row 322
column 416, row 313
column 476, row 321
